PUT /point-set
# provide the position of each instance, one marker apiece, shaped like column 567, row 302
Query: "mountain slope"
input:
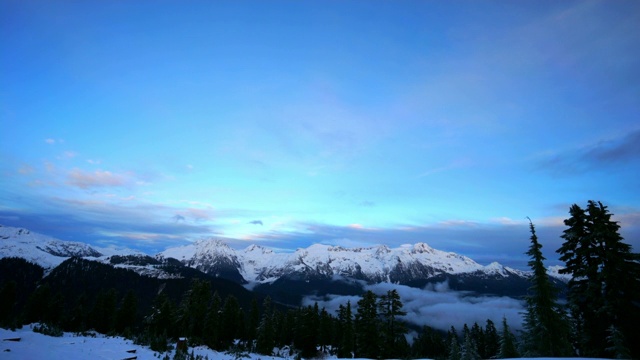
column 40, row 249
column 318, row 269
column 374, row 264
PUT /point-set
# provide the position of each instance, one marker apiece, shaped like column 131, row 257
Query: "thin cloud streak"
column 98, row 178
column 620, row 152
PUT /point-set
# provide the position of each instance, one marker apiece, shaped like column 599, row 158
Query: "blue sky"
column 147, row 124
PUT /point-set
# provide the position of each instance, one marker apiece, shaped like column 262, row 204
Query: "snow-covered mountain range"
column 373, row 264
column 258, row 264
column 40, row 249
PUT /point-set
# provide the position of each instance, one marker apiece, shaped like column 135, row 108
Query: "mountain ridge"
column 259, row 264
column 373, row 264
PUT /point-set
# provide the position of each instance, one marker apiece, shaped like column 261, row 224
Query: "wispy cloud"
column 605, row 154
column 68, row 155
column 452, row 166
column 256, row 222
column 194, row 214
column 140, row 225
column 98, row 178
column 26, row 170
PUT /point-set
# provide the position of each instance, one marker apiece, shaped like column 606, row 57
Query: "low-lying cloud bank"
column 438, row 306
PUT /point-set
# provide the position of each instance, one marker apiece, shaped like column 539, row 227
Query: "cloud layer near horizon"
column 437, row 306
column 350, row 123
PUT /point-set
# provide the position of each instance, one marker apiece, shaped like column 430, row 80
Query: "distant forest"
column 600, row 317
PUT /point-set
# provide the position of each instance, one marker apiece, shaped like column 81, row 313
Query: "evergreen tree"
column 469, row 350
column 37, row 309
column 286, row 327
column 254, row 321
column 78, row 317
column 478, row 337
column 7, row 303
column 546, row 328
column 265, row 334
column 127, row 313
column 393, row 329
column 616, row 344
column 231, row 327
column 507, row 342
column 429, row 344
column 241, row 325
column 346, row 334
column 366, row 324
column 103, row 312
column 605, row 282
column 212, row 326
column 193, row 310
column 160, row 322
column 305, row 338
column 324, row 330
column 492, row 340
column 454, row 348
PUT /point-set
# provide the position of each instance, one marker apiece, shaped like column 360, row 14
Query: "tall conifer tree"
column 345, row 323
column 367, row 329
column 605, row 285
column 393, row 328
column 508, row 348
column 546, row 328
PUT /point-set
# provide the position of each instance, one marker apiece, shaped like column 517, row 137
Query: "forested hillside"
column 598, row 320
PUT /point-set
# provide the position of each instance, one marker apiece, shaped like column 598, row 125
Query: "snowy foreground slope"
column 70, row 347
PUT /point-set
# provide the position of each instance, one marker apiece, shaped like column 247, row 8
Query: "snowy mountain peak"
column 382, row 249
column 211, row 256
column 258, row 249
column 379, row 263
column 43, row 250
column 554, row 271
column 420, row 248
column 256, row 263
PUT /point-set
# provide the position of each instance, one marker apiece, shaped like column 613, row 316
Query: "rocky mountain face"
column 318, row 269
column 405, row 264
column 43, row 250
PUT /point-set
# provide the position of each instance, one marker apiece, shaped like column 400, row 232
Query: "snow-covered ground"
column 35, row 346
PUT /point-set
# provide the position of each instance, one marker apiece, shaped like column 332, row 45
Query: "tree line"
column 599, row 318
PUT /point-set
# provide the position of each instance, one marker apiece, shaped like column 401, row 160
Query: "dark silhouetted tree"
column 325, row 329
column 346, row 332
column 253, row 321
column 367, row 327
column 102, row 316
column 508, row 346
column 212, row 324
column 127, row 313
column 193, row 310
column 546, row 328
column 231, row 327
column 266, row 331
column 393, row 328
column 492, row 341
column 8, row 304
column 605, row 282
column 454, row 345
column 429, row 344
